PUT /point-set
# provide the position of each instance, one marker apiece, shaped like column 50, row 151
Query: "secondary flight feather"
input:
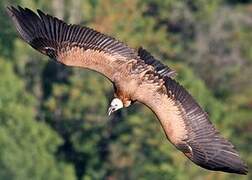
column 136, row 76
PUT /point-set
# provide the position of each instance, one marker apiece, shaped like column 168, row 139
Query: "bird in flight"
column 136, row 76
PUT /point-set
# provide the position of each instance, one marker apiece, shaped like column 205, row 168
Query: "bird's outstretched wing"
column 75, row 45
column 72, row 45
column 186, row 125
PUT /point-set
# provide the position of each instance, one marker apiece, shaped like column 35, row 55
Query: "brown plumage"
column 137, row 76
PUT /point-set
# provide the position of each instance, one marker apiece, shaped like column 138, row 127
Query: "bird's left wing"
column 186, row 124
column 72, row 45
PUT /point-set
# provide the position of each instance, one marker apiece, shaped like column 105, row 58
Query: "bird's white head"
column 115, row 104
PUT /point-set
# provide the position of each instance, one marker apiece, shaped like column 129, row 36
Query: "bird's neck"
column 123, row 96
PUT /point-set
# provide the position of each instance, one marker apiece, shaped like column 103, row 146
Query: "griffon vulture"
column 136, row 76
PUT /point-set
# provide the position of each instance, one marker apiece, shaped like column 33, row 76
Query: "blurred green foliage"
column 53, row 122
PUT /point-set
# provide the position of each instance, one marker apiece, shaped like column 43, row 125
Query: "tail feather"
column 24, row 28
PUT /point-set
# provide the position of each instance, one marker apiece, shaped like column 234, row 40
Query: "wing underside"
column 188, row 127
column 76, row 45
column 71, row 45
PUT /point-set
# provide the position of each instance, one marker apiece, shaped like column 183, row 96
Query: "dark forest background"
column 53, row 119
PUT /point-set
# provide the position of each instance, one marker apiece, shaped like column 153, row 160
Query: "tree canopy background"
column 53, row 122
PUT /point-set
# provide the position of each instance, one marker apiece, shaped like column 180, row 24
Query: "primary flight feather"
column 137, row 76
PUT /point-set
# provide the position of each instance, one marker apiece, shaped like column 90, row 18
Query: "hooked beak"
column 111, row 110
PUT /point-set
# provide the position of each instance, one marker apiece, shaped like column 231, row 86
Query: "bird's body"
column 136, row 76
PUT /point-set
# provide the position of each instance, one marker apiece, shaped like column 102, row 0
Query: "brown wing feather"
column 71, row 45
column 187, row 126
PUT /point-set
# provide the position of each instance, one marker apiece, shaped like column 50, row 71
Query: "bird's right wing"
column 186, row 124
column 72, row 45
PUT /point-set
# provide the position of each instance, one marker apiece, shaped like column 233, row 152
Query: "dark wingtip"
column 221, row 158
column 239, row 168
column 10, row 10
column 227, row 161
column 243, row 170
